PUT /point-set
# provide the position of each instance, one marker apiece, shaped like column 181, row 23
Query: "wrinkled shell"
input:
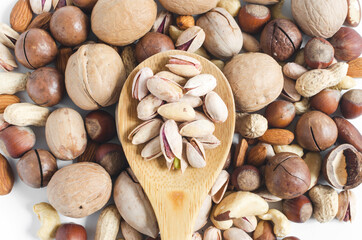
column 325, row 203
column 188, row 7
column 251, row 125
column 79, row 195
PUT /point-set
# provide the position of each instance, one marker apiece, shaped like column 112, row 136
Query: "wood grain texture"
column 175, row 197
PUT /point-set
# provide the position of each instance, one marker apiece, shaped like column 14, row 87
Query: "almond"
column 41, row 21
column 6, row 176
column 355, row 68
column 6, row 100
column 62, row 58
column 257, row 155
column 277, row 137
column 21, row 16
column 240, row 153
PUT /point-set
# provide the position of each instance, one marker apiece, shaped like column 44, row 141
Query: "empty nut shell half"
column 346, row 206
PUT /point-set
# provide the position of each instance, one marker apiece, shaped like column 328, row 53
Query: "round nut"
column 326, row 101
column 347, row 44
column 246, row 178
column 100, row 126
column 298, row 209
column 85, row 4
column 71, row 231
column 252, row 18
column 15, row 141
column 111, row 157
column 280, row 113
column 318, row 53
column 351, row 104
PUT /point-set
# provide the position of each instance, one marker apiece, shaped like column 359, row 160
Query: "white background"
column 17, row 220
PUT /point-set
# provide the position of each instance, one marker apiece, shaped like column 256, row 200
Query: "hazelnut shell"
column 252, row 18
column 100, row 125
column 347, row 44
column 280, row 113
column 71, row 231
column 351, row 104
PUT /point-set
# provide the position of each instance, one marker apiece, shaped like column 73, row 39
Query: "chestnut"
column 69, row 26
column 100, row 126
column 326, row 101
column 71, row 231
column 316, row 131
column 280, row 113
column 287, row 175
column 45, row 86
column 252, row 18
column 280, row 39
column 15, row 141
column 85, row 4
column 246, row 178
column 351, row 104
column 318, row 53
column 152, row 43
column 36, row 168
column 342, row 167
column 298, row 209
column 111, row 157
column 35, row 48
column 347, row 44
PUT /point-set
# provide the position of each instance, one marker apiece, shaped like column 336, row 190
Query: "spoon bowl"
column 175, row 197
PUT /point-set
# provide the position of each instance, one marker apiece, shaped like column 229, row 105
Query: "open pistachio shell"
column 145, row 131
column 184, row 66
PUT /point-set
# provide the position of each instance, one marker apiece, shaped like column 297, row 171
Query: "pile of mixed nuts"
column 308, row 167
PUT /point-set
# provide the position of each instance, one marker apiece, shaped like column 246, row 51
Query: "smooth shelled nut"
column 280, row 113
column 326, row 101
column 348, row 133
column 318, row 53
column 246, row 178
column 111, row 157
column 298, row 209
column 100, row 126
column 351, row 104
column 15, row 141
column 347, row 44
column 71, row 231
column 6, row 176
column 252, row 18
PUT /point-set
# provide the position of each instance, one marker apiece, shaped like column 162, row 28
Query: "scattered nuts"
column 347, row 44
column 250, row 125
column 246, row 178
column 298, row 209
column 346, row 206
column 6, row 176
column 71, row 231
column 326, row 101
column 280, row 113
column 21, row 15
column 100, row 126
column 325, row 203
column 15, row 141
column 111, row 157
column 49, row 219
column 281, row 222
column 348, row 133
column 351, row 104
column 108, row 223
column 264, row 231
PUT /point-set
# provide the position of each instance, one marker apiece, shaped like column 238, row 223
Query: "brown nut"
column 3, row 124
column 71, row 231
column 185, row 22
column 316, row 131
column 257, row 155
column 35, row 48
column 347, row 44
column 41, row 21
column 348, row 133
column 351, row 104
column 62, row 58
column 6, row 176
column 21, row 15
column 89, row 153
column 240, row 153
column 111, row 157
column 326, row 101
column 7, row 100
column 342, row 167
column 85, row 4
column 291, row 238
column 280, row 39
column 252, row 18
column 354, row 13
column 45, row 86
column 264, row 231
column 298, row 209
column 100, row 126
column 246, row 178
column 152, row 43
column 69, row 26
column 346, row 206
column 280, row 113
column 36, row 168
column 277, row 136
column 287, row 175
column 15, row 141
column 318, row 53
column 289, row 92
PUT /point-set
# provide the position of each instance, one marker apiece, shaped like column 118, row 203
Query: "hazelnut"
column 36, row 168
column 342, row 167
column 351, row 104
column 15, row 141
column 252, row 18
column 280, row 39
column 69, row 26
column 347, row 44
column 264, row 231
column 354, row 13
column 346, row 206
column 100, row 126
column 185, row 22
column 326, row 101
column 111, row 157
column 298, row 209
column 246, row 178
column 6, row 176
column 152, row 43
column 318, row 53
column 348, row 133
column 280, row 113
column 316, row 131
column 35, row 48
column 85, row 4
column 45, row 86
column 71, row 231
column 287, row 176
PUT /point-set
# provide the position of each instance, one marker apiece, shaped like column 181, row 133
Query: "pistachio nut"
column 175, row 32
column 219, row 188
column 145, row 131
column 191, row 39
column 198, row 128
column 163, row 22
column 204, row 212
column 223, row 35
column 203, row 53
column 7, row 60
column 209, row 141
column 171, row 76
column 40, row 6
column 129, row 232
column 215, row 108
column 195, row 153
column 247, row 224
column 139, row 85
column 11, row 83
column 61, row 3
column 165, row 89
column 346, row 206
column 200, row 115
column 184, row 66
column 8, row 36
column 147, row 107
column 200, row 85
column 236, row 234
column 178, row 111
column 152, row 149
column 212, row 233
column 192, row 101
column 129, row 195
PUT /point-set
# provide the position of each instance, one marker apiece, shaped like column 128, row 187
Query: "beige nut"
column 49, row 219
column 11, row 83
column 250, row 125
column 281, row 222
column 293, row 148
column 212, row 233
column 250, row 43
column 325, row 203
column 293, row 70
column 232, row 6
column 314, row 162
column 7, row 59
column 236, row 234
column 248, row 223
column 222, row 225
column 346, row 83
column 108, row 223
column 302, row 107
column 128, row 232
column 204, row 213
column 26, row 114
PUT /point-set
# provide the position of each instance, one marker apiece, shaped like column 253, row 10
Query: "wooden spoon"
column 175, row 197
